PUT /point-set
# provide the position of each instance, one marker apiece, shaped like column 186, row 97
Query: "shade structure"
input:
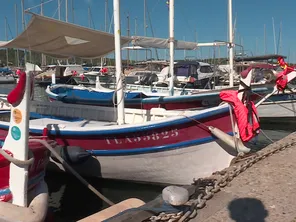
column 63, row 40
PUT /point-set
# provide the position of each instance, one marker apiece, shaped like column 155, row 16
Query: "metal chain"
column 219, row 180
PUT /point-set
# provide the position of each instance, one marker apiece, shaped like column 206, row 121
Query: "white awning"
column 63, row 40
column 159, row 43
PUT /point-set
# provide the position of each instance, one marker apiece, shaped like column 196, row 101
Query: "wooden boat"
column 136, row 99
column 155, row 145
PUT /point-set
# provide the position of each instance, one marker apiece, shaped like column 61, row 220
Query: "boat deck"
column 63, row 123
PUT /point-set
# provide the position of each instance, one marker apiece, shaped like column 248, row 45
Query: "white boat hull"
column 179, row 166
column 279, row 110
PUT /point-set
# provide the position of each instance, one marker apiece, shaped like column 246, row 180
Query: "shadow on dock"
column 247, row 209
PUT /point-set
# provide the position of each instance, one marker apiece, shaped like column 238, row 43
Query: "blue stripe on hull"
column 139, row 128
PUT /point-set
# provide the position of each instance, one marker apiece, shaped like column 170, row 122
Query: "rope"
column 20, row 163
column 267, row 137
column 29, row 9
column 194, row 120
column 64, row 163
column 233, row 127
column 115, row 92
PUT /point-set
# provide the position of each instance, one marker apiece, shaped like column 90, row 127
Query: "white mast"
column 230, row 32
column 6, row 36
column 145, row 26
column 24, row 26
column 16, row 32
column 43, row 57
column 59, row 9
column 172, row 43
column 274, row 39
column 66, row 7
column 119, row 85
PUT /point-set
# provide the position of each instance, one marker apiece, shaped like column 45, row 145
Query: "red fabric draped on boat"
column 16, row 95
column 281, row 79
column 248, row 128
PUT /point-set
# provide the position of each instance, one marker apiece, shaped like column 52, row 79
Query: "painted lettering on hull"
column 167, row 134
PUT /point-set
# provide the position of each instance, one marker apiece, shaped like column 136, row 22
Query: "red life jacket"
column 246, row 115
column 281, row 79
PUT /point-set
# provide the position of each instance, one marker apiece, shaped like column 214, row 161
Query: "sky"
column 204, row 20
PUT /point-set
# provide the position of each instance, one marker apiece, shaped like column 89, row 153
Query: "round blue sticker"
column 15, row 133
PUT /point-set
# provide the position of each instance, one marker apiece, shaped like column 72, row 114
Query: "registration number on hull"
column 167, row 134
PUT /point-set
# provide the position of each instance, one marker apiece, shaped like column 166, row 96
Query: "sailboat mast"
column 66, row 7
column 172, row 43
column 106, row 15
column 59, row 9
column 119, row 85
column 128, row 34
column 43, row 57
column 145, row 26
column 274, row 40
column 106, row 27
column 6, row 36
column 23, row 24
column 16, row 32
column 264, row 39
column 136, row 31
column 231, row 53
column 72, row 7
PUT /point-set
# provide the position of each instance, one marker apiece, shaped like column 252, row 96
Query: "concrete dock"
column 264, row 192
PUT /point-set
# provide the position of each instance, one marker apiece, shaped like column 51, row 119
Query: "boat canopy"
column 62, row 40
column 160, row 43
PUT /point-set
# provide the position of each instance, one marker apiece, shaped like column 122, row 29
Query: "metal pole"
column 66, row 18
column 264, row 39
column 89, row 25
column 24, row 26
column 16, row 31
column 145, row 25
column 274, row 40
column 128, row 34
column 66, row 7
column 59, row 9
column 6, row 36
column 136, row 31
column 72, row 4
column 119, row 85
column 106, row 15
column 172, row 43
column 43, row 57
column 231, row 56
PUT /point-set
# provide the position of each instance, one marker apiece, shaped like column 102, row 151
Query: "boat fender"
column 72, row 154
column 229, row 140
column 175, row 195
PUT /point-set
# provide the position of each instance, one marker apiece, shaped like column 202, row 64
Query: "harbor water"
column 70, row 200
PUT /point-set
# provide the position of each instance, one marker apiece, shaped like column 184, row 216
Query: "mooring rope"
column 64, row 163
